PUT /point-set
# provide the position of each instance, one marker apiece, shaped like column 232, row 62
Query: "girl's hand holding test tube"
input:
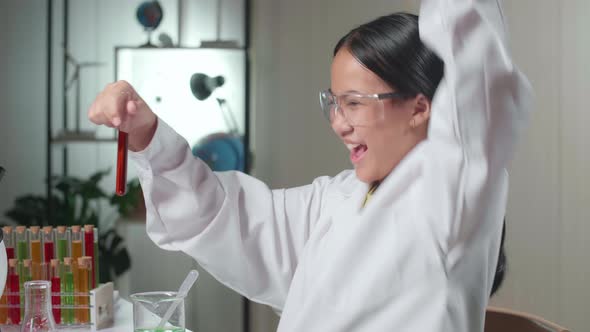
column 119, row 106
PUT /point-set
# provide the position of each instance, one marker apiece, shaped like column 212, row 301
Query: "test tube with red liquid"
column 55, row 289
column 89, row 250
column 122, row 143
column 48, row 244
column 13, row 287
column 8, row 241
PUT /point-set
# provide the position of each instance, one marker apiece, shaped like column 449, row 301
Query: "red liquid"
column 14, row 299
column 9, row 253
column 89, row 250
column 55, row 299
column 122, row 163
column 48, row 246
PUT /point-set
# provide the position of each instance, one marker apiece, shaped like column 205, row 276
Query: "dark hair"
column 390, row 47
column 501, row 265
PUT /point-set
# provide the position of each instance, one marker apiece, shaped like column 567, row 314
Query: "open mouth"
column 357, row 152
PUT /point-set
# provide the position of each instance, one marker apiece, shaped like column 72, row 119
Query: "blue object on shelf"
column 149, row 14
column 222, row 152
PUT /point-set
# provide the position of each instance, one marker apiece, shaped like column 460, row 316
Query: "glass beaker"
column 150, row 307
column 38, row 316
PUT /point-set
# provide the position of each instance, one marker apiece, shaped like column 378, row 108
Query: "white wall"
column 548, row 211
column 198, row 21
column 22, row 99
column 548, row 208
column 534, row 230
column 549, row 269
column 575, row 164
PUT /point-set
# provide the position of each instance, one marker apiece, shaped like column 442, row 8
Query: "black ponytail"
column 501, row 265
column 390, row 46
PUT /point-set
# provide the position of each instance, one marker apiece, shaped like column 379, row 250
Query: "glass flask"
column 38, row 316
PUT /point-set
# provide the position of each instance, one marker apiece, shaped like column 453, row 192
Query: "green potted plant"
column 78, row 202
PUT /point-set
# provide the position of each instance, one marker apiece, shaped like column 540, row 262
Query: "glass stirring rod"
column 121, row 186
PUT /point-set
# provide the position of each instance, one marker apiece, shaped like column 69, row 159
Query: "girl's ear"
column 421, row 112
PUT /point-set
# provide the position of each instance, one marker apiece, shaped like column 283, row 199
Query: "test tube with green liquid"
column 22, row 243
column 67, row 314
column 62, row 237
column 24, row 276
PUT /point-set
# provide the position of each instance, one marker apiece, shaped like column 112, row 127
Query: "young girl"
column 409, row 239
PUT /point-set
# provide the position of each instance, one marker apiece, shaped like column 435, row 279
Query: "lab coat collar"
column 399, row 179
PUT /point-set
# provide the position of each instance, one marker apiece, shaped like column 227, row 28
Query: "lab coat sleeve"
column 488, row 98
column 480, row 108
column 247, row 236
column 478, row 113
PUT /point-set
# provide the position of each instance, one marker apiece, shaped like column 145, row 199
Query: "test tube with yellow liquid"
column 83, row 289
column 37, row 271
column 77, row 248
column 9, row 243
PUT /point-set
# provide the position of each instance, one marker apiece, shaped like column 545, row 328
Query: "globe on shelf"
column 149, row 14
column 221, row 151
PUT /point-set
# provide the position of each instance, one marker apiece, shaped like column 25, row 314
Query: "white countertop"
column 123, row 319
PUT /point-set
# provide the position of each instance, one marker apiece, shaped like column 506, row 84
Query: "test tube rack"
column 68, row 258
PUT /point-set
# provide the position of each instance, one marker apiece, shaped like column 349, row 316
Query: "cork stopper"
column 21, row 229
column 76, row 228
column 67, row 260
column 61, row 229
column 26, row 262
column 47, row 229
column 84, row 262
column 12, row 262
column 54, row 263
column 34, row 229
column 7, row 229
column 88, row 228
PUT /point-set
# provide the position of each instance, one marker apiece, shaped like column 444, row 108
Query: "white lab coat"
column 420, row 256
